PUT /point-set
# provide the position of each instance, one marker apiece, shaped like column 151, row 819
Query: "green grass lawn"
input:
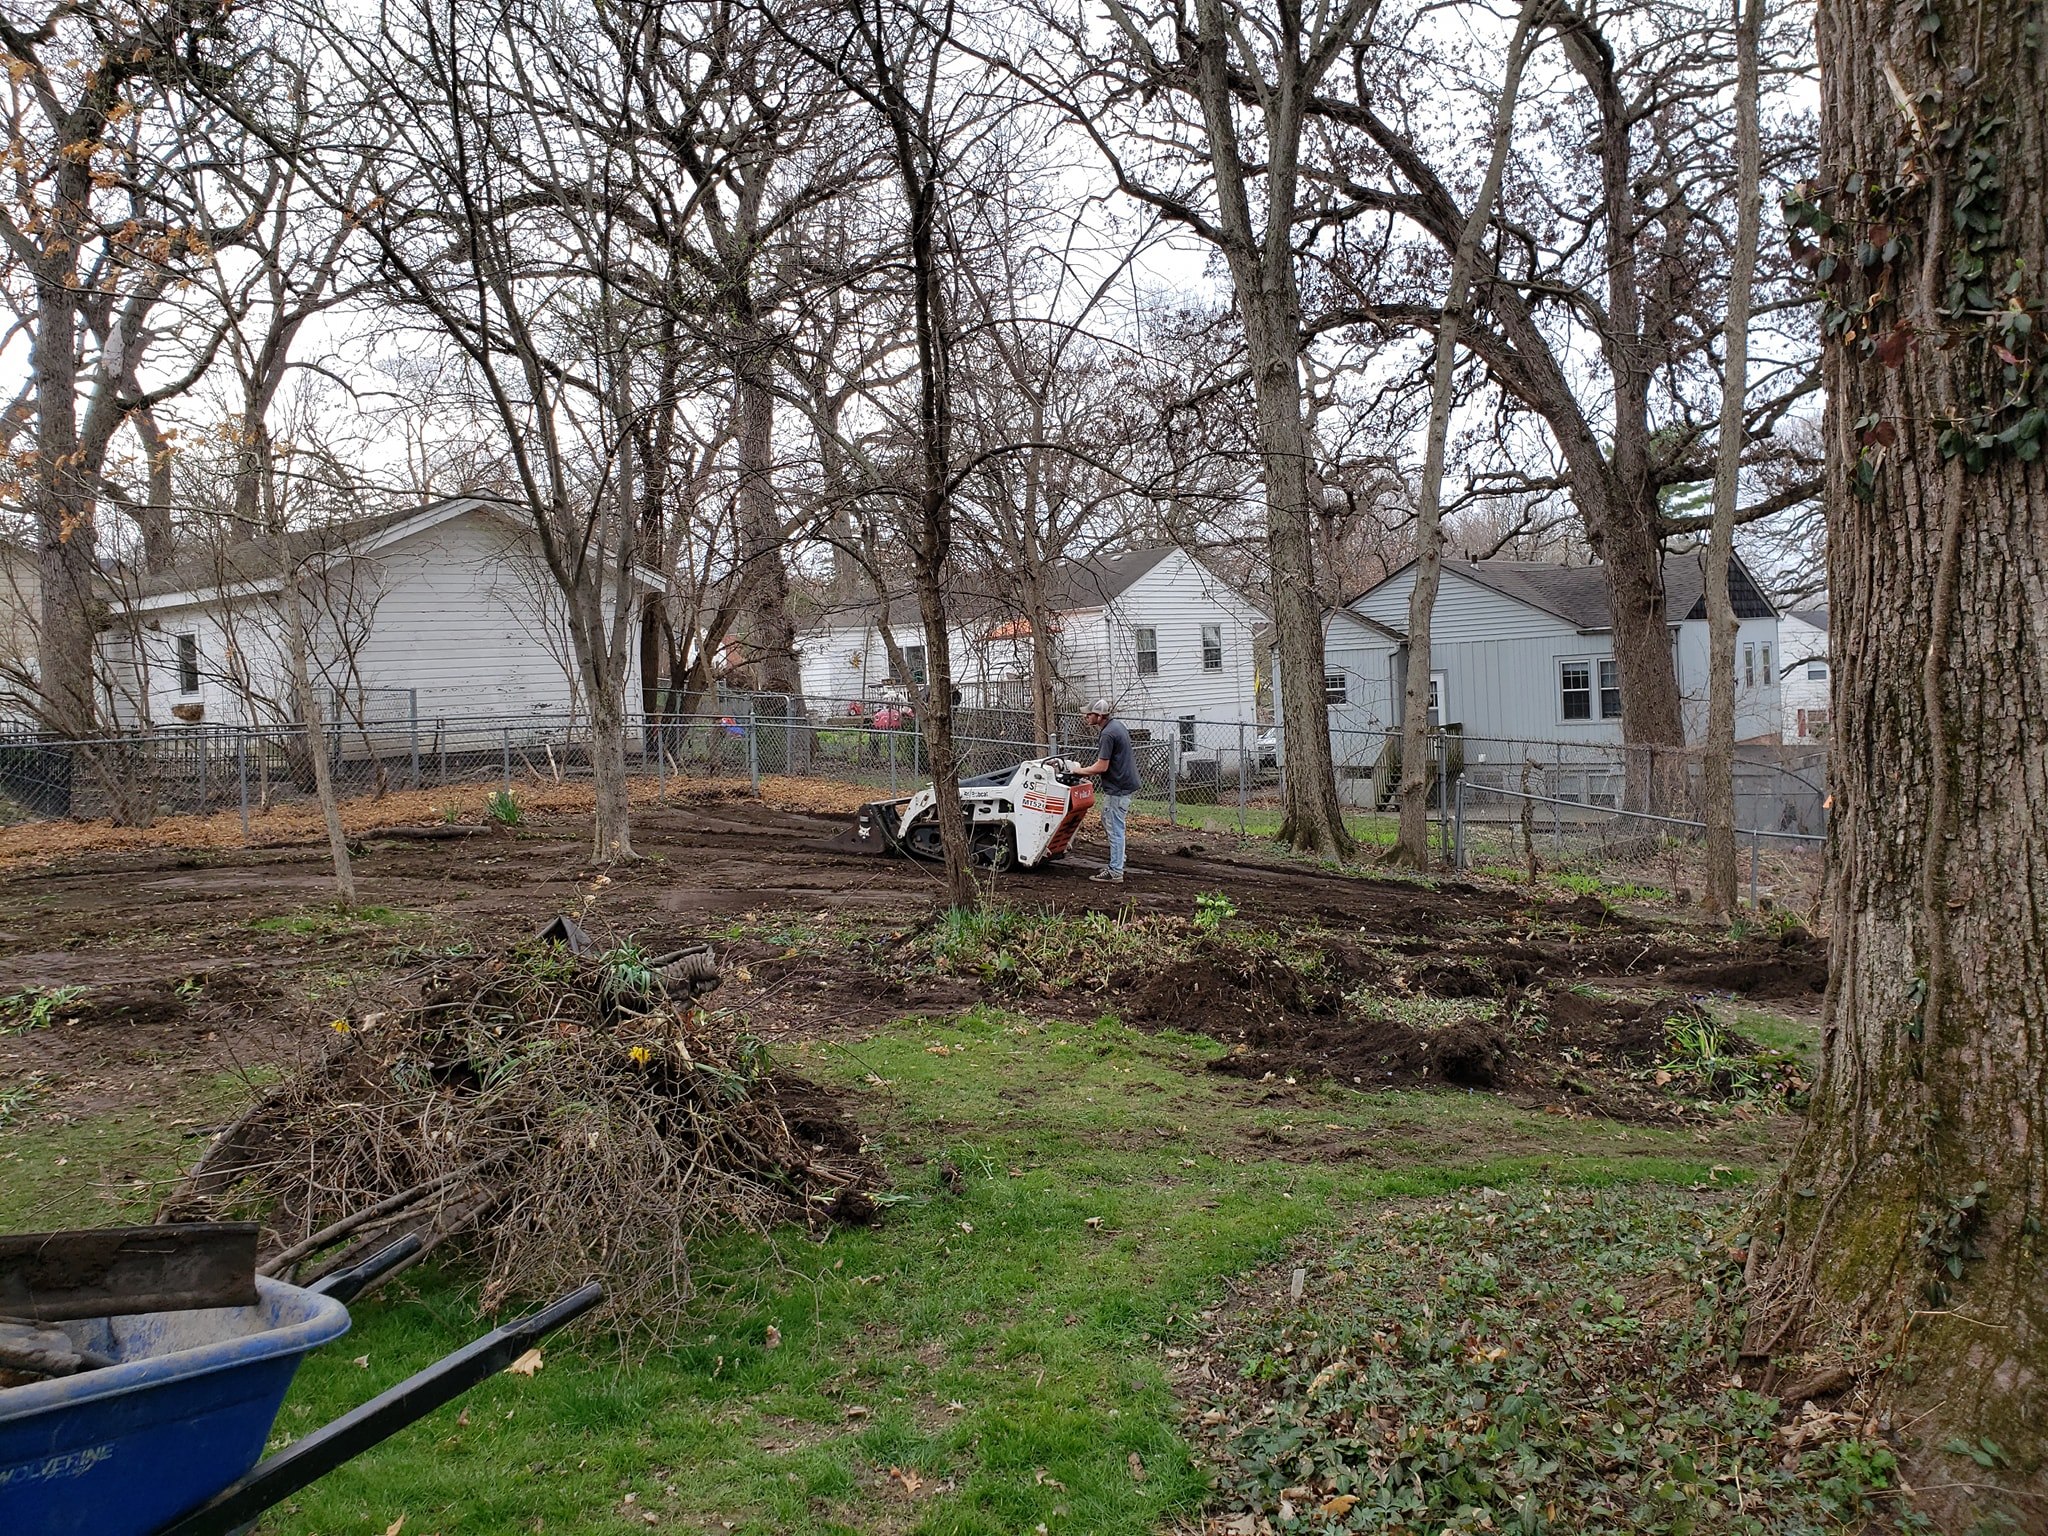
column 989, row 1358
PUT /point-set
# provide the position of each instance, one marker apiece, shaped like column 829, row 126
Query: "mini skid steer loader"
column 1016, row 818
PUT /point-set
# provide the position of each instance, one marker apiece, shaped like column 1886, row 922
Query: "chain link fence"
column 1631, row 814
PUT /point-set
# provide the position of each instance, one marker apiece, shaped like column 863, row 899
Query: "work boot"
column 1108, row 877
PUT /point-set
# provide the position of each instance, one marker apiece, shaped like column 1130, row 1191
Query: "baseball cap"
column 1100, row 707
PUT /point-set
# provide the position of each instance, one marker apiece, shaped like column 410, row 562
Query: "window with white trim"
column 188, row 663
column 1588, row 688
column 1575, row 690
column 1187, row 733
column 1816, row 671
column 1765, row 666
column 1212, row 647
column 1749, row 666
column 1336, row 688
column 1148, row 651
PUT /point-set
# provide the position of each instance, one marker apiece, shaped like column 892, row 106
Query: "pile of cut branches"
column 556, row 1116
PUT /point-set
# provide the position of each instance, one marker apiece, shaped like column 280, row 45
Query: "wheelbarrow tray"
column 184, row 1411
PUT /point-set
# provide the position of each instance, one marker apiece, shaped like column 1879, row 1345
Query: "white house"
column 1154, row 630
column 1523, row 651
column 446, row 609
column 1803, row 682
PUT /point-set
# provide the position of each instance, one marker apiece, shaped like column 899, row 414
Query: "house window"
column 1814, row 724
column 1765, row 666
column 1610, row 690
column 1187, row 733
column 188, row 663
column 913, row 659
column 1749, row 666
column 1436, row 701
column 1575, row 689
column 1336, row 688
column 1212, row 647
column 1148, row 651
column 1816, row 671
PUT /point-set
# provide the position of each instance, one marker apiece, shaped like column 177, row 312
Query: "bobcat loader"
column 1017, row 818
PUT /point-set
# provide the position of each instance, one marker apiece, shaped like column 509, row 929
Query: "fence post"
column 892, row 764
column 1458, row 843
column 441, row 748
column 660, row 763
column 205, row 737
column 1443, row 784
column 1240, row 778
column 505, row 756
column 1752, row 868
column 414, row 695
column 753, row 746
column 242, row 774
column 1172, row 781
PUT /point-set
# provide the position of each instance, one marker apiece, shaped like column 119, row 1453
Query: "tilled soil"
column 180, row 981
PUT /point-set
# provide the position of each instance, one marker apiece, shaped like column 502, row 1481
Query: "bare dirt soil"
column 201, row 960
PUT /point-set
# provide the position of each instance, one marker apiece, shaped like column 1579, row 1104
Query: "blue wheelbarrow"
column 162, row 1437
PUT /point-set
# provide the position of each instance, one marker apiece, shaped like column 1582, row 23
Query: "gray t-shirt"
column 1121, row 776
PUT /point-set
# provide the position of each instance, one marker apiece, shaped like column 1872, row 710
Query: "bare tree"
column 1202, row 117
column 1413, row 844
column 95, row 236
column 1720, row 760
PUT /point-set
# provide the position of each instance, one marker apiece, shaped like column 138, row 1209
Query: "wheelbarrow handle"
column 346, row 1284
column 315, row 1455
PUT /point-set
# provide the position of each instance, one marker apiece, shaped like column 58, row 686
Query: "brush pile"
column 557, row 1116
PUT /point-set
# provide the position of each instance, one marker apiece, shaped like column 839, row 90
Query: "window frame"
column 1187, row 732
column 1564, row 714
column 1749, row 664
column 1603, row 665
column 1596, row 690
column 185, row 650
column 1341, row 694
column 1212, row 632
column 1145, row 646
column 917, row 662
column 1816, row 671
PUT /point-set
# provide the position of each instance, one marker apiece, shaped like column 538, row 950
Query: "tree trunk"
column 62, row 506
column 1913, row 1208
column 311, row 719
column 612, row 823
column 1720, row 763
column 770, row 637
column 1412, row 845
column 1652, row 723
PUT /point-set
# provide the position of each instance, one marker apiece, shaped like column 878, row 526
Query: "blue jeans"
column 1114, row 809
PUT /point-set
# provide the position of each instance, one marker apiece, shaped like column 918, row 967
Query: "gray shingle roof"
column 1578, row 593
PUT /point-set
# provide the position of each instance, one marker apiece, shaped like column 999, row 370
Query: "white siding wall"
column 1759, row 714
column 463, row 612
column 1174, row 599
column 1803, row 649
column 1501, row 660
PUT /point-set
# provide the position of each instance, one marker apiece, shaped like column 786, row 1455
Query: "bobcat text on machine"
column 1016, row 817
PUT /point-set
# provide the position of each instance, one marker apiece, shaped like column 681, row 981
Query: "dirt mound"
column 1226, row 995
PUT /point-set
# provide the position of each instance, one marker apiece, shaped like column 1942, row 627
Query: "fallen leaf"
column 1137, row 1467
column 773, row 1338
column 910, row 1480
column 1340, row 1506
column 362, row 1362
column 856, row 1412
column 1092, row 1221
column 967, row 1227
column 395, row 1526
column 462, row 1419
column 525, row 1365
column 956, row 1407
column 1045, row 1479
